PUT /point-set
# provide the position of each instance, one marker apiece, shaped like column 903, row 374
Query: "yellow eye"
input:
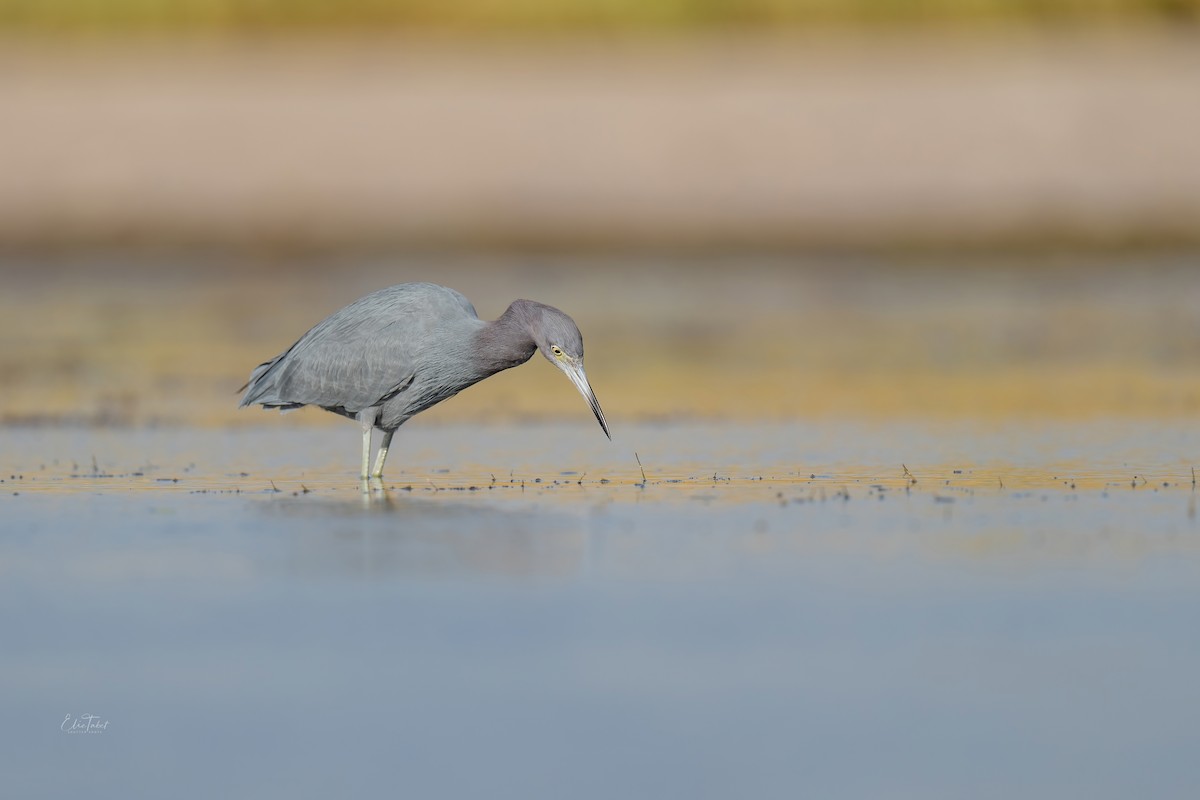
column 558, row 353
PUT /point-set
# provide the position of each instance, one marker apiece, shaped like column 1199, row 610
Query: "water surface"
column 840, row 609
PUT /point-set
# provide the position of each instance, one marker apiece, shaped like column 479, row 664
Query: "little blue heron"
column 396, row 352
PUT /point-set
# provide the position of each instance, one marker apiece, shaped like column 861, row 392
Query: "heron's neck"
column 505, row 343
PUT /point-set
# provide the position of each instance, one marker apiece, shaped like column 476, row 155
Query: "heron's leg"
column 366, row 418
column 383, row 451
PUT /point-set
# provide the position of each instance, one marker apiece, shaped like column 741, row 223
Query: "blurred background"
column 754, row 209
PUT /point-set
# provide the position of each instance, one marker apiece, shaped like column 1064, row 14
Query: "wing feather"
column 362, row 355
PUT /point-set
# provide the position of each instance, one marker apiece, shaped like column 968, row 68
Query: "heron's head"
column 558, row 339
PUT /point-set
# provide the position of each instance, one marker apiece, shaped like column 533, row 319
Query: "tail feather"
column 258, row 386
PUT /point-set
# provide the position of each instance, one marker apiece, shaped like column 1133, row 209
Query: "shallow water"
column 853, row 609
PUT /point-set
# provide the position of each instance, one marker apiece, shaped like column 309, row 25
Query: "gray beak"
column 579, row 378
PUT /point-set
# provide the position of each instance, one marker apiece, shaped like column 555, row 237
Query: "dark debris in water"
column 811, row 489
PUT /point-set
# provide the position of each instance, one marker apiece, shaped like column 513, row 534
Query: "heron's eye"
column 558, row 353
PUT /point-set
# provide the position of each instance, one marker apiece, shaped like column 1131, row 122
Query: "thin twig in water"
column 639, row 460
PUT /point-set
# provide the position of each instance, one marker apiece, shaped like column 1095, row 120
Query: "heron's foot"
column 370, row 483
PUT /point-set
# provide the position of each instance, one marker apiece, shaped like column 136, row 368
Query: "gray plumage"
column 398, row 351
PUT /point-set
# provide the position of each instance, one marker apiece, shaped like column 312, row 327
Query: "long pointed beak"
column 579, row 378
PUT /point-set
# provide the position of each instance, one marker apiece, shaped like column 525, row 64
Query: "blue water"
column 707, row 638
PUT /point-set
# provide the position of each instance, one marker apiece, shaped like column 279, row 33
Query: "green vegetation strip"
column 551, row 15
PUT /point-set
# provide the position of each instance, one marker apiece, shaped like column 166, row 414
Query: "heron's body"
column 398, row 351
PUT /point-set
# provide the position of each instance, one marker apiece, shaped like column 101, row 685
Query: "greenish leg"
column 366, row 418
column 382, row 457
